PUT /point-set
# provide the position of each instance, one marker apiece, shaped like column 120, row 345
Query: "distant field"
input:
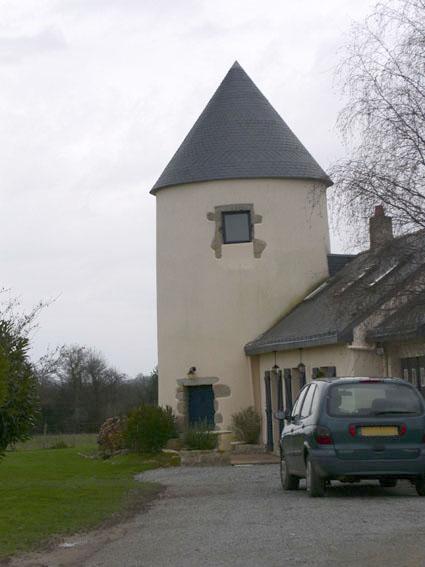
column 53, row 441
column 51, row 492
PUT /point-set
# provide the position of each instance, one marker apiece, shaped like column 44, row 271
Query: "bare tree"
column 383, row 121
column 78, row 390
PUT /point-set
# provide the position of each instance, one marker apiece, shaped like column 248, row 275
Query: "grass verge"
column 51, row 492
column 60, row 440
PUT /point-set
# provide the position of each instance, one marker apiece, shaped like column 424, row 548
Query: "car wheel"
column 289, row 481
column 315, row 483
column 420, row 486
column 388, row 482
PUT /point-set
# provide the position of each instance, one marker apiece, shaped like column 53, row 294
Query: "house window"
column 324, row 372
column 237, row 227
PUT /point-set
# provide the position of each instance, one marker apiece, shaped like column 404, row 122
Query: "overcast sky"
column 95, row 97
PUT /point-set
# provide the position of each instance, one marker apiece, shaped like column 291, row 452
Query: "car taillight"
column 402, row 429
column 352, row 430
column 323, row 436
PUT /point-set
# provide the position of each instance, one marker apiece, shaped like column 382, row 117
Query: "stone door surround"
column 219, row 390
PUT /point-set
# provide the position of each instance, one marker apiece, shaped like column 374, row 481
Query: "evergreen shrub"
column 149, row 428
column 200, row 438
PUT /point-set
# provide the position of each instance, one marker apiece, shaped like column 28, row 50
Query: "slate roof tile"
column 355, row 292
column 239, row 135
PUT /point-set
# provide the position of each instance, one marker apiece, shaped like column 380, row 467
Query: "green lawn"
column 59, row 491
column 52, row 440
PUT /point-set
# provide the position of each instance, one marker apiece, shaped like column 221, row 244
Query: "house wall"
column 209, row 306
column 348, row 362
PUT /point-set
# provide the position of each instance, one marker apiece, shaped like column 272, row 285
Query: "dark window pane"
column 306, row 409
column 373, row 398
column 298, row 403
column 236, row 227
column 315, row 402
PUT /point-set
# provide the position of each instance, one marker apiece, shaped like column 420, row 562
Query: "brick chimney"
column 380, row 228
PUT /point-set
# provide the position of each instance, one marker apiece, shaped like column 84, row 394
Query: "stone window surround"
column 217, row 217
column 219, row 390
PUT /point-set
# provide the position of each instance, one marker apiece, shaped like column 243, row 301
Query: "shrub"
column 149, row 428
column 246, row 425
column 111, row 436
column 199, row 438
column 18, row 396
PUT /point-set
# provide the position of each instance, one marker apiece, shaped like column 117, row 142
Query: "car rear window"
column 372, row 399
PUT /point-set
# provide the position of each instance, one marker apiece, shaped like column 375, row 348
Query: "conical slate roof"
column 239, row 135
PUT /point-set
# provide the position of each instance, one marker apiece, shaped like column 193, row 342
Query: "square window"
column 237, row 227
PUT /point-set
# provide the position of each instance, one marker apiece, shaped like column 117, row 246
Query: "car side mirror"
column 280, row 415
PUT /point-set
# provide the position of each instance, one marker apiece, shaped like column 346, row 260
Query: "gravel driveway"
column 239, row 516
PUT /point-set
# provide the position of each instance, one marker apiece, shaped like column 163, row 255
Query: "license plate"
column 379, row 431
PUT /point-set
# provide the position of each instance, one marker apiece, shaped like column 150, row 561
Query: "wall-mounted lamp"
column 192, row 371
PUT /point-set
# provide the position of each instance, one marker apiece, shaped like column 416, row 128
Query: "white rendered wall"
column 209, row 307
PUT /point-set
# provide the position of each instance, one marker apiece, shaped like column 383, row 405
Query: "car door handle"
column 291, row 430
column 302, row 426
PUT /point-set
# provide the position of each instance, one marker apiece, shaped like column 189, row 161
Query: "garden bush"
column 111, row 435
column 149, row 428
column 18, row 387
column 200, row 438
column 246, row 425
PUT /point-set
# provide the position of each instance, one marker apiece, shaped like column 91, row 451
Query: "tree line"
column 78, row 390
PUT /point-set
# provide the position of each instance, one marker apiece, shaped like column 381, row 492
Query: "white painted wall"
column 208, row 308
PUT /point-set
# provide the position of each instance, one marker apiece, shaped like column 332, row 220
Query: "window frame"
column 223, row 223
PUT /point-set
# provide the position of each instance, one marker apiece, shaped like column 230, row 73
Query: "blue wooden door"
column 201, row 405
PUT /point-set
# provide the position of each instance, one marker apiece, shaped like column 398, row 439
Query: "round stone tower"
column 242, row 236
